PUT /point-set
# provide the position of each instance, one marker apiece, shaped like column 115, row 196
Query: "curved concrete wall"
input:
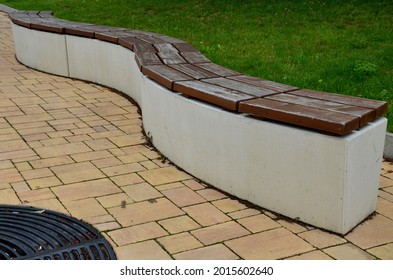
column 327, row 181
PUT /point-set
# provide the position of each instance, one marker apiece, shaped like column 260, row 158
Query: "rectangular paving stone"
column 183, row 196
column 113, row 200
column 273, row 244
column 258, row 223
column 13, row 145
column 49, row 162
column 163, row 175
column 146, row 250
column 179, row 224
column 220, row 232
column 229, row 205
column 84, row 208
column 62, row 150
column 44, row 182
column 145, row 211
column 214, row 252
column 122, row 169
column 179, row 242
column 137, row 233
column 206, row 214
column 348, row 252
column 142, row 191
column 384, row 252
column 314, row 255
column 36, row 173
column 34, row 195
column 321, row 239
column 92, row 188
column 51, row 204
column 10, row 175
column 127, row 179
column 8, row 196
column 77, row 172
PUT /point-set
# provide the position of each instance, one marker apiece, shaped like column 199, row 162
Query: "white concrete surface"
column 41, row 50
column 327, row 181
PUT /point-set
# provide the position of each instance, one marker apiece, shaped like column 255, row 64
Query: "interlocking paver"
column 137, row 233
column 348, row 252
column 273, row 244
column 77, row 148
column 179, row 242
column 220, row 232
column 147, row 250
column 179, row 224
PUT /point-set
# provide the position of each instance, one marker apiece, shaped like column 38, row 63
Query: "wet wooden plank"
column 194, row 71
column 213, row 94
column 146, row 58
column 185, row 47
column 164, row 75
column 364, row 114
column 241, row 86
column 304, row 116
column 165, row 48
column 171, row 58
column 379, row 107
column 194, row 57
column 264, row 83
column 130, row 43
column 218, row 69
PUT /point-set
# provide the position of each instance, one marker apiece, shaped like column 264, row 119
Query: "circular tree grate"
column 30, row 233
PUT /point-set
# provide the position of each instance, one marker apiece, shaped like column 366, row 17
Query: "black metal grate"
column 32, row 233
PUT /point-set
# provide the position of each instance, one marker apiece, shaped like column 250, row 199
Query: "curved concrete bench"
column 309, row 155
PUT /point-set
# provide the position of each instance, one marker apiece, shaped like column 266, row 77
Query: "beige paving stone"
column 273, row 244
column 211, row 194
column 389, row 190
column 51, row 204
column 248, row 212
column 56, row 141
column 91, row 156
column 12, row 145
column 62, row 150
column 106, row 162
column 137, row 233
column 122, row 169
column 136, row 157
column 169, row 186
column 220, row 232
column 142, row 191
column 291, row 225
column 100, row 144
column 179, row 242
column 77, row 172
column 107, row 226
column 179, row 224
column 83, row 208
column 50, row 162
column 193, row 184
column 34, row 195
column 114, row 200
column 44, row 182
column 99, row 219
column 147, row 250
column 258, row 223
column 127, row 140
column 206, row 214
column 127, row 179
column 183, row 196
column 348, row 252
column 20, row 187
column 321, row 239
column 78, row 138
column 384, row 252
column 23, row 166
column 148, row 164
column 374, row 232
column 214, row 252
column 29, row 118
column 229, row 205
column 93, row 188
column 385, row 207
column 8, row 196
column 36, row 173
column 385, row 182
column 6, row 164
column 145, row 211
column 17, row 154
column 385, row 195
column 10, row 175
column 135, row 149
column 314, row 255
column 163, row 175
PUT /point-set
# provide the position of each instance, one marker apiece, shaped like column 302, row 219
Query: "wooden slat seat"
column 180, row 67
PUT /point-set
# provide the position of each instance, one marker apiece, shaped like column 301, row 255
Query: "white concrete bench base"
column 326, row 181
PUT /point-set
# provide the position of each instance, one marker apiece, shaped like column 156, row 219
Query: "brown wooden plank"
column 194, row 71
column 185, row 47
column 171, row 58
column 241, row 86
column 379, row 107
column 218, row 69
column 304, row 116
column 194, row 57
column 149, row 39
column 364, row 114
column 112, row 35
column 165, row 48
column 130, row 42
column 216, row 95
column 147, row 58
column 264, row 83
column 164, row 75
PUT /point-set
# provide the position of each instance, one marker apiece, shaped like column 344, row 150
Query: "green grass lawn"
column 342, row 46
